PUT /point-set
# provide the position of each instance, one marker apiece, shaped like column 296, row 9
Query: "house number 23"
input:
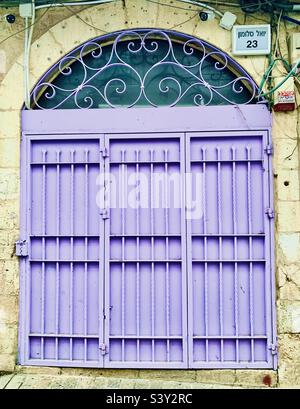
column 252, row 44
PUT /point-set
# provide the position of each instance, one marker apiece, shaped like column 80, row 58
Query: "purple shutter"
column 230, row 320
column 147, row 287
column 146, row 259
column 65, row 262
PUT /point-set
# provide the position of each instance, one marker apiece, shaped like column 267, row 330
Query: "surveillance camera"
column 10, row 18
column 206, row 15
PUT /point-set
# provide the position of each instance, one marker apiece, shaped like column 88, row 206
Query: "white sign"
column 251, row 40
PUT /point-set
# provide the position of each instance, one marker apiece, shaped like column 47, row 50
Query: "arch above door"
column 143, row 68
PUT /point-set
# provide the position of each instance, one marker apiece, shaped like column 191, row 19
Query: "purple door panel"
column 65, row 235
column 229, row 275
column 147, row 249
column 145, row 255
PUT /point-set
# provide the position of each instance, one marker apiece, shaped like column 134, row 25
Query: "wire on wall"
column 27, row 48
column 23, row 29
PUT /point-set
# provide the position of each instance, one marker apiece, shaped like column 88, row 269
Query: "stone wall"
column 59, row 31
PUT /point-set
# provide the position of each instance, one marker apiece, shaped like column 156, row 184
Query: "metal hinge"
column 270, row 213
column 269, row 149
column 104, row 213
column 273, row 348
column 104, row 152
column 21, row 248
column 104, row 349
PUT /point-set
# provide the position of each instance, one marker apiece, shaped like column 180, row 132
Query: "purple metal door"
column 142, row 280
column 145, row 271
column 229, row 273
column 63, row 271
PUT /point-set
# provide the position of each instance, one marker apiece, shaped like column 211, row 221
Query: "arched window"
column 140, row 68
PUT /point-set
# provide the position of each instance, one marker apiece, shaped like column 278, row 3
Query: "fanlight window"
column 144, row 68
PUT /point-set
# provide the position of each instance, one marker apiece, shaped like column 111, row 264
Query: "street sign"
column 251, row 40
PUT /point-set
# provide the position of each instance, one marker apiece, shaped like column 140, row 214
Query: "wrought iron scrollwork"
column 143, row 67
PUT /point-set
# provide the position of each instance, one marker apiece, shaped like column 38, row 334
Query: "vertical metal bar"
column 236, row 298
column 185, row 243
column 44, row 228
column 187, row 247
column 104, row 282
column 269, row 251
column 167, row 254
column 57, row 249
column 220, row 251
column 205, row 252
column 86, row 215
column 152, row 226
column 26, row 230
column 72, row 252
column 137, row 152
column 123, row 221
column 250, row 247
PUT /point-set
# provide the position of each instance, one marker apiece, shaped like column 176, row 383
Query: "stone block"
column 255, row 378
column 289, row 244
column 180, row 20
column 10, row 124
column 38, row 370
column 225, row 377
column 9, row 215
column 106, row 18
column 178, row 375
column 288, row 348
column 284, row 125
column 289, row 375
column 8, row 339
column 288, row 185
column 9, row 310
column 12, row 90
column 285, row 153
column 9, row 184
column 7, row 362
column 288, row 317
column 9, row 153
column 9, row 277
column 289, row 281
column 4, row 237
column 288, row 216
column 141, row 13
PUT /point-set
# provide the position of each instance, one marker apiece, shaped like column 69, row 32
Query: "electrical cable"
column 291, row 73
column 277, row 56
column 186, row 21
column 76, row 14
column 25, row 65
column 277, row 35
column 100, row 29
column 28, row 40
column 170, row 5
column 92, row 2
column 291, row 20
column 23, row 29
column 48, row 7
column 78, row 3
column 194, row 3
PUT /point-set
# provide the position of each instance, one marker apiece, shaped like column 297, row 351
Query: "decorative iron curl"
column 180, row 80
